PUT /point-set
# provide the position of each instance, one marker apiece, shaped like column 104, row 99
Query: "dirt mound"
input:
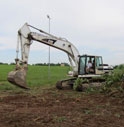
column 54, row 108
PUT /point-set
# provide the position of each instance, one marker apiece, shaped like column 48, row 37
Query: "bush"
column 114, row 80
column 78, row 84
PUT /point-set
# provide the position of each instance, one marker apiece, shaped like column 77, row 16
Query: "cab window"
column 99, row 61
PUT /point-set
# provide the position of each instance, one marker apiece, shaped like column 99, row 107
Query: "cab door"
column 83, row 61
column 82, row 65
column 99, row 65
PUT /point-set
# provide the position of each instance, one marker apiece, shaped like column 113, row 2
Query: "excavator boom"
column 25, row 39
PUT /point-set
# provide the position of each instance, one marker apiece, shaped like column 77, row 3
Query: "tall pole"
column 49, row 50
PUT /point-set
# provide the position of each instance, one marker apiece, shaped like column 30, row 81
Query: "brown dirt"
column 66, row 108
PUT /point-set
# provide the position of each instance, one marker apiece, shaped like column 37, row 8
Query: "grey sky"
column 93, row 26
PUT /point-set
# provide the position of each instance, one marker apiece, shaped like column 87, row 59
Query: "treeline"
column 40, row 64
column 3, row 63
column 51, row 64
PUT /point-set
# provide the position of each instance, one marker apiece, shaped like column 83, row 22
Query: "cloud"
column 93, row 26
column 7, row 43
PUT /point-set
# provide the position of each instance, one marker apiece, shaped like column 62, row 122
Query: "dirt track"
column 53, row 108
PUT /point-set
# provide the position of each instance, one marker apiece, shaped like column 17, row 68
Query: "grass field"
column 37, row 75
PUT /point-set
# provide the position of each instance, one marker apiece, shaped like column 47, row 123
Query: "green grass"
column 37, row 76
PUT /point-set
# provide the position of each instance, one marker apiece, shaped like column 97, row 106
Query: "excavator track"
column 65, row 84
column 89, row 83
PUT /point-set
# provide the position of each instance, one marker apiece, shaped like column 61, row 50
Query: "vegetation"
column 78, row 84
column 51, row 64
column 115, row 80
column 37, row 75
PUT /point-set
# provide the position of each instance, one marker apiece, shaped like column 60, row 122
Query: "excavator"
column 78, row 62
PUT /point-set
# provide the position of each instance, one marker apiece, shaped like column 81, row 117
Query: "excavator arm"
column 25, row 39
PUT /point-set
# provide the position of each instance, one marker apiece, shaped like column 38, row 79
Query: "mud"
column 60, row 108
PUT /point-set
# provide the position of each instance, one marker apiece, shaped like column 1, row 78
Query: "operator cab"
column 95, row 70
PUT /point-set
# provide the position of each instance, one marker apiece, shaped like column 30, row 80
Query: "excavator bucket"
column 18, row 78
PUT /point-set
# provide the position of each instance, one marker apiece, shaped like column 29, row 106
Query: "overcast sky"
column 94, row 26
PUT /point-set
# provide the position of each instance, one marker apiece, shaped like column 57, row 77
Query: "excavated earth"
column 60, row 108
